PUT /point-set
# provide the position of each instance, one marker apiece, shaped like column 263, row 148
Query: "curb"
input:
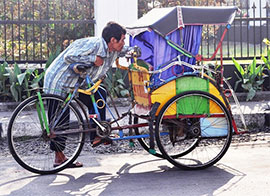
column 8, row 106
column 260, row 96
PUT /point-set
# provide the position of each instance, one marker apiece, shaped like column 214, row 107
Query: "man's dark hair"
column 113, row 29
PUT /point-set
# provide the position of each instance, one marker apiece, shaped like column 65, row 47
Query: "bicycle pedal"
column 105, row 141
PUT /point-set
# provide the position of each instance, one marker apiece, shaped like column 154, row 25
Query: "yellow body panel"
column 163, row 94
column 214, row 108
column 140, row 80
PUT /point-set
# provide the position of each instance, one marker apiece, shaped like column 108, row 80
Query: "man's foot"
column 72, row 165
column 60, row 158
column 97, row 141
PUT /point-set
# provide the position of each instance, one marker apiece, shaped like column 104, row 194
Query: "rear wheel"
column 29, row 142
column 198, row 130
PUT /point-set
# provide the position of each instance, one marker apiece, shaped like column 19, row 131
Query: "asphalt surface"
column 244, row 170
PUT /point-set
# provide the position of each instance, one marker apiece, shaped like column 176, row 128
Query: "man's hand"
column 138, row 51
column 99, row 61
column 134, row 52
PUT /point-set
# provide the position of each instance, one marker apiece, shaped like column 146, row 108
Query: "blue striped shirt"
column 59, row 76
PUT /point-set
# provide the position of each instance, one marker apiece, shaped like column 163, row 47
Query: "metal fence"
column 244, row 39
column 31, row 30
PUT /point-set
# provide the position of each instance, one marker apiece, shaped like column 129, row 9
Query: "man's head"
column 114, row 35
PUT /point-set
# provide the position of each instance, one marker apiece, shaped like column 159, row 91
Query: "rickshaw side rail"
column 130, row 126
column 194, row 116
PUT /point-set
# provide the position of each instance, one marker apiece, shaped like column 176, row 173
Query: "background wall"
column 123, row 12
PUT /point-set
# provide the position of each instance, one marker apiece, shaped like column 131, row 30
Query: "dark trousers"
column 59, row 143
column 86, row 100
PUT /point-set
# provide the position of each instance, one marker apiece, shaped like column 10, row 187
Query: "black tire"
column 28, row 141
column 144, row 142
column 196, row 138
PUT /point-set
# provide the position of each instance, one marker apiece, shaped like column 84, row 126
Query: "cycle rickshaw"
column 178, row 111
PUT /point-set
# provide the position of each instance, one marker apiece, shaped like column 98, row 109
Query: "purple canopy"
column 152, row 32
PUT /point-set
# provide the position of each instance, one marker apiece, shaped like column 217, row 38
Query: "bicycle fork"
column 42, row 115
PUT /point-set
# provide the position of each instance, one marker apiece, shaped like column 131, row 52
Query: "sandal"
column 72, row 165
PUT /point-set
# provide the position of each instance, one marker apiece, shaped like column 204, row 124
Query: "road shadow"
column 129, row 180
column 172, row 181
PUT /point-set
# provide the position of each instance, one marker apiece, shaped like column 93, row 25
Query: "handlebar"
column 135, row 52
column 120, row 66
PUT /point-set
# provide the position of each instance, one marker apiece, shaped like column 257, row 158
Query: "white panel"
column 123, row 12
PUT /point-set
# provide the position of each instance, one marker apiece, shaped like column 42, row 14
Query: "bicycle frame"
column 92, row 88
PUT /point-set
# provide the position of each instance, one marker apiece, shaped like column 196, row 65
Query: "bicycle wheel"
column 198, row 130
column 144, row 142
column 29, row 143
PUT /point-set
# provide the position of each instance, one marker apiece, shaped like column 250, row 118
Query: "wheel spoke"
column 197, row 139
column 31, row 147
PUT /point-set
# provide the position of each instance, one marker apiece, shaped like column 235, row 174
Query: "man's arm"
column 82, row 59
column 90, row 56
column 97, row 60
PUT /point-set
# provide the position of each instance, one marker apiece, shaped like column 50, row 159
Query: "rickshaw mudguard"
column 187, row 83
column 144, row 97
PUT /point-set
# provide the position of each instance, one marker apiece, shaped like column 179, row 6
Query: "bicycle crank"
column 103, row 129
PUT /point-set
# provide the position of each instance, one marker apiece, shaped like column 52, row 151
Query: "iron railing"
column 31, row 30
column 243, row 40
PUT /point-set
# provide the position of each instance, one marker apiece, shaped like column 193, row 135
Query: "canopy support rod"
column 175, row 45
column 201, row 58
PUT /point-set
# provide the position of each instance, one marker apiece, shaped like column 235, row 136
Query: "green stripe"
column 178, row 49
column 187, row 105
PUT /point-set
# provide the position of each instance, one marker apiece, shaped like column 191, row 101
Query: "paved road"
column 245, row 170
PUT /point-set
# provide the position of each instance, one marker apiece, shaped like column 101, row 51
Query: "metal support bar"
column 1, row 130
column 151, row 124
